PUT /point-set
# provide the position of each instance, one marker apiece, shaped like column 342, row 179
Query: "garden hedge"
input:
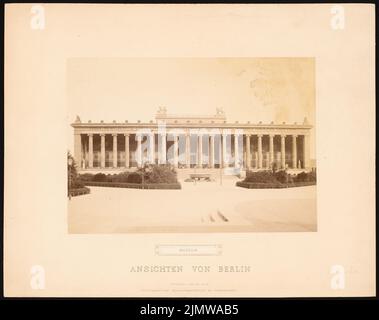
column 79, row 191
column 134, row 185
column 273, row 185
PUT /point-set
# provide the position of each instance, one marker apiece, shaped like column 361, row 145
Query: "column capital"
column 114, row 134
column 248, row 135
column 294, row 135
column 272, row 135
column 102, row 134
column 259, row 135
column 90, row 134
column 126, row 134
column 283, row 135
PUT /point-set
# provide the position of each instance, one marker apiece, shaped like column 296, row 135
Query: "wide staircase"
column 215, row 173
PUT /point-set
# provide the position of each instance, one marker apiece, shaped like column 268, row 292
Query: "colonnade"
column 240, row 153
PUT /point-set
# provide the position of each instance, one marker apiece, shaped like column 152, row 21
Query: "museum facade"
column 188, row 141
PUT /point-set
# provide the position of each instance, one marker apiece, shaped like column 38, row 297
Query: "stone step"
column 215, row 173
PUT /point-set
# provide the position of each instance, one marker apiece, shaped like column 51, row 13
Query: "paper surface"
column 43, row 44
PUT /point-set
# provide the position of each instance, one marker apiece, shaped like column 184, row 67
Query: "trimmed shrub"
column 278, row 179
column 281, row 176
column 86, row 177
column 134, row 177
column 312, row 176
column 76, row 184
column 301, row 177
column 121, row 177
column 260, row 176
column 306, row 177
column 111, row 177
column 79, row 191
column 161, row 174
column 100, row 177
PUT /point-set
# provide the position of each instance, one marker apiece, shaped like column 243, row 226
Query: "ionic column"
column 294, row 152
column 127, row 163
column 188, row 150
column 278, row 157
column 163, row 155
column 200, row 150
column 220, row 151
column 152, row 148
column 176, row 150
column 139, row 150
column 102, row 150
column 224, row 154
column 260, row 156
column 114, row 150
column 283, row 150
column 248, row 158
column 236, row 153
column 306, row 152
column 90, row 150
column 212, row 151
column 78, row 149
column 271, row 147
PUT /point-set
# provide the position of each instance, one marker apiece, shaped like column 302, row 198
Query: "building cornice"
column 140, row 125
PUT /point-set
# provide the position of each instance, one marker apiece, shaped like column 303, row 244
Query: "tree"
column 71, row 170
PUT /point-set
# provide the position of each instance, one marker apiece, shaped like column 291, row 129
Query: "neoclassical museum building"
column 190, row 141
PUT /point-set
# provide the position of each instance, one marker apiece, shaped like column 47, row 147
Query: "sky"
column 248, row 89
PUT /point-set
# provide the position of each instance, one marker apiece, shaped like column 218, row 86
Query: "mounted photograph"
column 191, row 145
column 189, row 151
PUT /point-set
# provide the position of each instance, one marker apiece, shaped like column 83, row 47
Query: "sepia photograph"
column 214, row 145
column 189, row 151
